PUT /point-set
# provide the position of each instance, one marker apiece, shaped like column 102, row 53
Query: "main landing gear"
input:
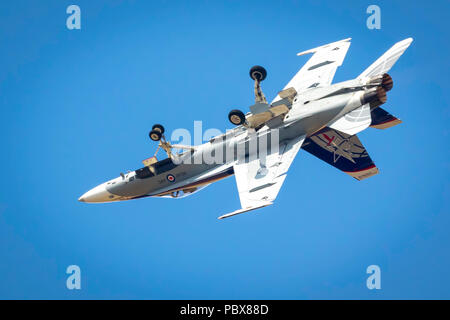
column 258, row 74
column 236, row 117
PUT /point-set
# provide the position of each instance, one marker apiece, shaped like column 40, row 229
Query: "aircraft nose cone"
column 97, row 194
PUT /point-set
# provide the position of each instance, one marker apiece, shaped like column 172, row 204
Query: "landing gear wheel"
column 258, row 73
column 236, row 117
column 155, row 135
column 158, row 127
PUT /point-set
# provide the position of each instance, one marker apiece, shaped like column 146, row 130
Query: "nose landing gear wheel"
column 236, row 117
column 157, row 132
column 155, row 135
column 158, row 127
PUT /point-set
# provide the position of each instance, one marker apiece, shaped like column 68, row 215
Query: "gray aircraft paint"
column 303, row 119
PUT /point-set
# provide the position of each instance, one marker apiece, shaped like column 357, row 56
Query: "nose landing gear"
column 157, row 132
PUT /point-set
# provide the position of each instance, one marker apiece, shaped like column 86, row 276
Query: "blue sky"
column 77, row 105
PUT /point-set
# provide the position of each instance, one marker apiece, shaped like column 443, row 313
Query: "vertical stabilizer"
column 384, row 63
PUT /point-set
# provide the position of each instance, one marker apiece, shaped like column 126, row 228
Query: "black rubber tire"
column 155, row 135
column 158, row 127
column 236, row 117
column 258, row 73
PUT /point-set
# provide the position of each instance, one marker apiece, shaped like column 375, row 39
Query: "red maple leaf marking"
column 330, row 140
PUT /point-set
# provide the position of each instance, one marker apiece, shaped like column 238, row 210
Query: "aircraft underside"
column 310, row 113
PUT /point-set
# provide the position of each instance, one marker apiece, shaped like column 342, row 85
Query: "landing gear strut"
column 258, row 74
column 157, row 134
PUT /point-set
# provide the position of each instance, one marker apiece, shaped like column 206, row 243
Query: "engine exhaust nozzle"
column 375, row 97
column 387, row 83
column 383, row 80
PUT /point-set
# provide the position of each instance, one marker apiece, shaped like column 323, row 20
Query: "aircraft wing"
column 342, row 151
column 320, row 68
column 259, row 180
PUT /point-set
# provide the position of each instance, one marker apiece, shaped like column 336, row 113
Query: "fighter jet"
column 310, row 113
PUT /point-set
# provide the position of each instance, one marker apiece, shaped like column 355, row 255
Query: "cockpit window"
column 144, row 173
column 159, row 167
column 164, row 165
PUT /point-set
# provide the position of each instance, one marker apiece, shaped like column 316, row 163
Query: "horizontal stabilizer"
column 262, row 205
column 381, row 119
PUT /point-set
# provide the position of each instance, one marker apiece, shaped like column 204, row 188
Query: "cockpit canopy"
column 155, row 169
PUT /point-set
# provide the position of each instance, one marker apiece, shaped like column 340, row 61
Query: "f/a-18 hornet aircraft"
column 310, row 113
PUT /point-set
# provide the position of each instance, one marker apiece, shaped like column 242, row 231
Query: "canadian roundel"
column 170, row 178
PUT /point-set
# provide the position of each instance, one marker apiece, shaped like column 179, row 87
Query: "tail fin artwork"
column 384, row 63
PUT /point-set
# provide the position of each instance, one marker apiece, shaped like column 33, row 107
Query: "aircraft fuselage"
column 213, row 160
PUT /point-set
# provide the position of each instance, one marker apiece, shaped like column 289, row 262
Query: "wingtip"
column 242, row 210
column 320, row 47
column 406, row 41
